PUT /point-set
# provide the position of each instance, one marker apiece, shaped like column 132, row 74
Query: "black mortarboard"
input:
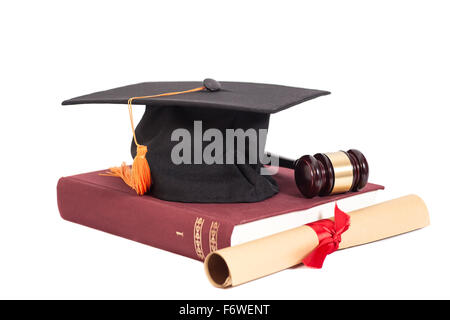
column 221, row 106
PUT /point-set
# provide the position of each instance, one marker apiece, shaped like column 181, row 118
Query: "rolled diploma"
column 235, row 265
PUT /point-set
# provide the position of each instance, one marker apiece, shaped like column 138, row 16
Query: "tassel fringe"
column 137, row 176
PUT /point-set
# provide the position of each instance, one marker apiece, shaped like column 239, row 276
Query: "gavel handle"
column 283, row 162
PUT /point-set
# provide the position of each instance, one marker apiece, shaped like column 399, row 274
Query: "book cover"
column 189, row 229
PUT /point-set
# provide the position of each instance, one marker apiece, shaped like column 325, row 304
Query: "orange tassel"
column 140, row 171
column 138, row 176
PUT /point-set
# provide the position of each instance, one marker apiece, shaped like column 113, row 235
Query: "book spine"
column 156, row 223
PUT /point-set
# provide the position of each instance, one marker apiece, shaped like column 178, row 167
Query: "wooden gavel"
column 329, row 173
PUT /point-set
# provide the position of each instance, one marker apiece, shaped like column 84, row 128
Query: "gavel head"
column 330, row 173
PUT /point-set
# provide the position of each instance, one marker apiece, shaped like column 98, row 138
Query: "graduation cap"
column 165, row 168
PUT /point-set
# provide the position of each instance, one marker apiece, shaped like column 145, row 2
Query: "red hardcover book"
column 189, row 229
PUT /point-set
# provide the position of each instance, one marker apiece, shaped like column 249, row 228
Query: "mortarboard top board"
column 219, row 106
column 238, row 96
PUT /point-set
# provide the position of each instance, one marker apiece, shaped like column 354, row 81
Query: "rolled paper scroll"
column 236, row 265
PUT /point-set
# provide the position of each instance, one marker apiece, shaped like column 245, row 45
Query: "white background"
column 386, row 63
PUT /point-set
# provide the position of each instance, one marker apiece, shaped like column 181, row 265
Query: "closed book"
column 194, row 229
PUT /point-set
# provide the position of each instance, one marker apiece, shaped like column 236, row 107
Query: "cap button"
column 211, row 84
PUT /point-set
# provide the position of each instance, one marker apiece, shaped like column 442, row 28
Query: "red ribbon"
column 329, row 233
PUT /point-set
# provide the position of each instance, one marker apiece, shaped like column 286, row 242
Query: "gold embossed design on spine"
column 213, row 233
column 343, row 171
column 198, row 227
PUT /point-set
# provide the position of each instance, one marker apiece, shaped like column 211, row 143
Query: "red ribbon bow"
column 329, row 233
